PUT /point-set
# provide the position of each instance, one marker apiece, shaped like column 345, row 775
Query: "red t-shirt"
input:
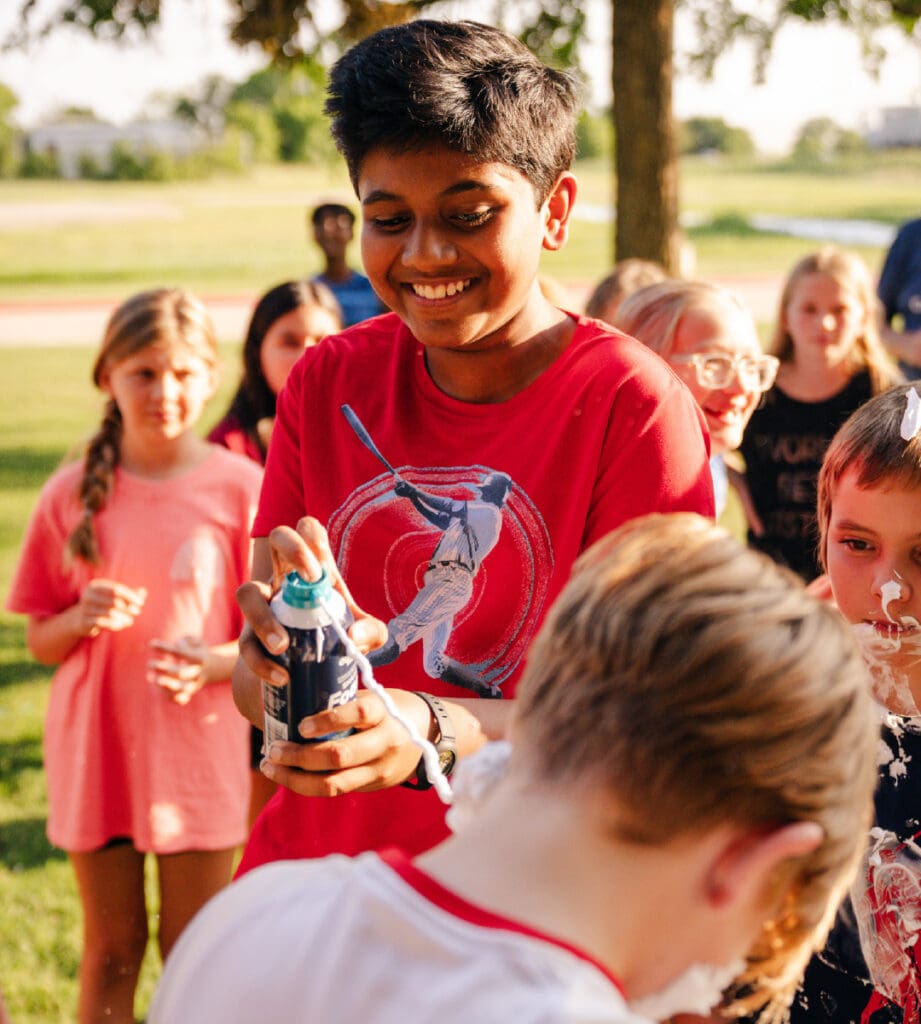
column 605, row 434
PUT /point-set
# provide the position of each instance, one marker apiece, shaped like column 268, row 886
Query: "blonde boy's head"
column 701, row 685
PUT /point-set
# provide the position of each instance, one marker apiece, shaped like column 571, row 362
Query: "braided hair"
column 157, row 317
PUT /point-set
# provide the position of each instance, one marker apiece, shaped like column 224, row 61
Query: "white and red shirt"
column 373, row 939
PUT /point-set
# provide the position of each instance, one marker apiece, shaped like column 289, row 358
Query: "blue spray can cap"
column 300, row 593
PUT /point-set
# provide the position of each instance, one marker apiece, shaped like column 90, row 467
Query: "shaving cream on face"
column 889, row 591
column 889, row 660
column 697, row 990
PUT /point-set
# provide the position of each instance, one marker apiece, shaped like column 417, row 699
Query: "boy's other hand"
column 377, row 755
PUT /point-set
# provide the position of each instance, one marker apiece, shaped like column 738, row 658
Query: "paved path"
column 82, row 321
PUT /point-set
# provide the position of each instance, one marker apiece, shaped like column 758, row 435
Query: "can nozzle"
column 300, row 593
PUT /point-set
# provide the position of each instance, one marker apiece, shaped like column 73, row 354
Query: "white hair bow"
column 911, row 419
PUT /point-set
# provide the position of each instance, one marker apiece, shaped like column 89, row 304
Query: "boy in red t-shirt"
column 458, row 143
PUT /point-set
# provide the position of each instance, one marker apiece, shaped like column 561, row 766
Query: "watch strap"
column 445, row 744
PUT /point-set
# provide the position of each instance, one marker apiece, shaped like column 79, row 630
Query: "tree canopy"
column 287, row 29
column 642, row 44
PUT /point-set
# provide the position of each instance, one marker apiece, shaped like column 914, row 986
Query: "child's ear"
column 746, row 863
column 557, row 211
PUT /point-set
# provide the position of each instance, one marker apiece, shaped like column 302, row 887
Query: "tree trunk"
column 645, row 162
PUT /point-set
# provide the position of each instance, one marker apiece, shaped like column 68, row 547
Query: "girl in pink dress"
column 127, row 573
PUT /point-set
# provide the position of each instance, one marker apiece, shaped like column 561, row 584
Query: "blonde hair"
column 165, row 316
column 653, row 314
column 852, row 273
column 870, row 442
column 699, row 682
column 628, row 276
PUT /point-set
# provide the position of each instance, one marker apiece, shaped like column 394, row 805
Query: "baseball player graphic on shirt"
column 432, row 528
column 470, row 529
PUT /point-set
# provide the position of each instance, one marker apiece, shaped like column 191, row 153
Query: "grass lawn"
column 238, row 235
column 73, row 239
column 77, row 239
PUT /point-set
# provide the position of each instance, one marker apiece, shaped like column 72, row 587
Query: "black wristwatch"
column 445, row 744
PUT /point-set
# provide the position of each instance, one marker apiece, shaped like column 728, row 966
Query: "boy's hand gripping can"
column 321, row 673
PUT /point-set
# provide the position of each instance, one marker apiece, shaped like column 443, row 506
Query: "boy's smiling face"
column 452, row 245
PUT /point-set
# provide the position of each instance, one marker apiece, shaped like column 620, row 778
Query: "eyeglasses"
column 717, row 370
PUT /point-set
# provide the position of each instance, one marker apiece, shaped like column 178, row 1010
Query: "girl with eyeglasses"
column 709, row 339
column 831, row 361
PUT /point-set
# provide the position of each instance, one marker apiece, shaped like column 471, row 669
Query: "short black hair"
column 461, row 84
column 331, row 210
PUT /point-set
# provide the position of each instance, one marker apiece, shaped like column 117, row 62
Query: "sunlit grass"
column 243, row 233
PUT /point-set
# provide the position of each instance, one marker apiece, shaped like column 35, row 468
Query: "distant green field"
column 241, row 234
column 70, row 239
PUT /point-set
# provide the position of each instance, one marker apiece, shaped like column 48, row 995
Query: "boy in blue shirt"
column 333, row 228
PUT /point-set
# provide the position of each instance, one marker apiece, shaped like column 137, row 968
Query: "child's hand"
column 264, row 430
column 183, row 672
column 107, row 604
column 377, row 755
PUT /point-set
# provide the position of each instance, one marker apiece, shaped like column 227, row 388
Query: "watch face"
column 446, row 759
